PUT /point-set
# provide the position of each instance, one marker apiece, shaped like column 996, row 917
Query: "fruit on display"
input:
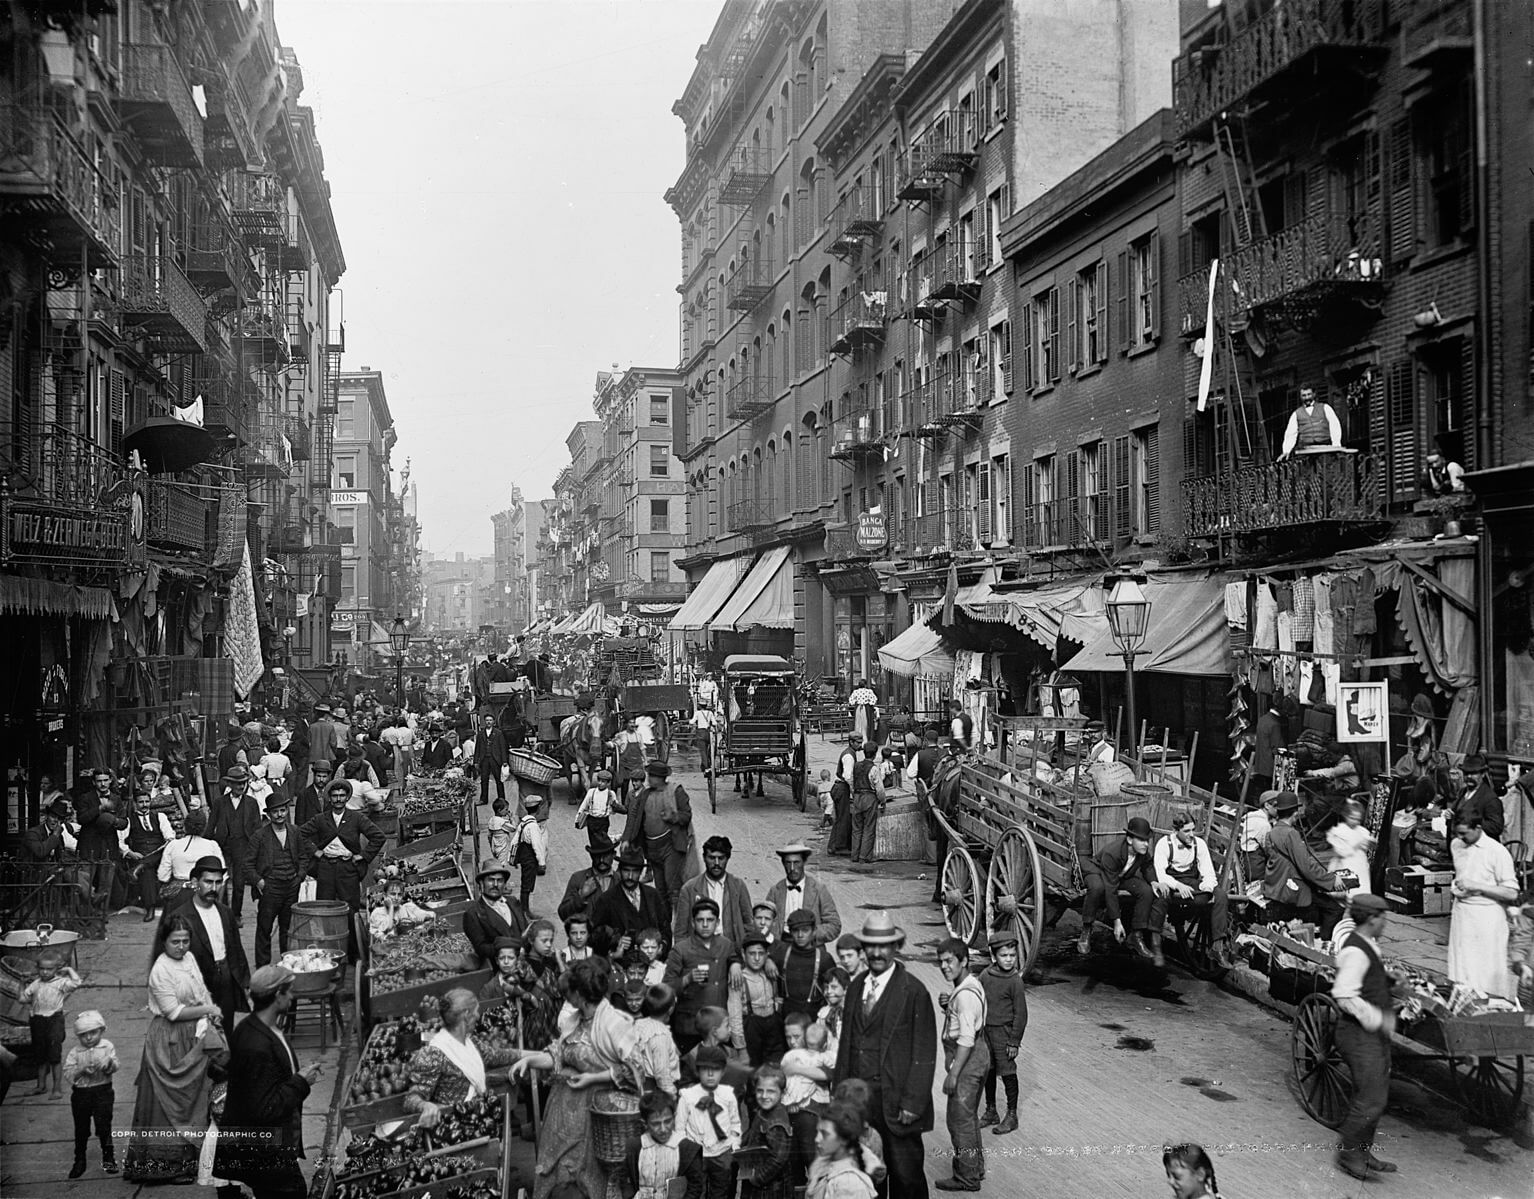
column 428, row 954
column 309, row 961
column 375, row 1166
column 479, row 1190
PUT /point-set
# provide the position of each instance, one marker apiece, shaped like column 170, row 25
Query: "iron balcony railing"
column 260, row 209
column 930, row 533
column 855, row 219
column 1208, row 81
column 955, row 271
column 156, row 101
column 264, row 333
column 858, row 434
column 747, row 174
column 59, row 467
column 215, row 259
column 175, row 516
column 228, row 134
column 746, row 515
column 859, row 321
column 156, row 297
column 749, row 285
column 1068, row 522
column 47, row 178
column 1307, row 489
column 948, row 146
column 748, row 397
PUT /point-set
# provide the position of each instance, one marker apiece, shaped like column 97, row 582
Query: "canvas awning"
column 705, row 600
column 765, row 598
column 1073, row 610
column 1187, row 634
column 593, row 622
column 918, row 653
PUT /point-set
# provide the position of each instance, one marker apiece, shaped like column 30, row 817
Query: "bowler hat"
column 1473, row 763
column 1363, row 905
column 631, row 858
column 207, row 865
column 59, row 808
column 275, row 800
column 1421, row 705
column 268, row 980
column 1287, row 801
column 1138, row 826
column 602, row 849
column 879, row 929
column 493, row 866
column 236, row 774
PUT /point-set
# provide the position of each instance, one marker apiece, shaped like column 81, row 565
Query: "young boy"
column 849, row 955
column 500, row 830
column 755, row 1010
column 45, row 994
column 650, row 943
column 763, row 913
column 530, row 847
column 577, row 934
column 385, row 919
column 647, row 1167
column 597, row 807
column 1005, row 1022
column 827, row 803
column 710, row 1115
column 802, row 966
column 89, row 1069
column 766, row 1171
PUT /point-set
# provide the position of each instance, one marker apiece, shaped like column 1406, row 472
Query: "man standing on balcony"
column 1313, row 425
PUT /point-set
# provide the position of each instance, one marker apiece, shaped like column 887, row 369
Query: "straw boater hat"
column 879, row 929
column 795, row 850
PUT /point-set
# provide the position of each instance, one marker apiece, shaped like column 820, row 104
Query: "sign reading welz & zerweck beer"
column 44, row 533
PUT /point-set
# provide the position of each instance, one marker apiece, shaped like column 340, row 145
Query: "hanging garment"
column 1304, row 609
column 1364, row 622
column 1265, row 635
column 1235, row 605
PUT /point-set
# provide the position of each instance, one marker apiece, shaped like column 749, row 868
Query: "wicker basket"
column 534, row 767
column 614, row 1122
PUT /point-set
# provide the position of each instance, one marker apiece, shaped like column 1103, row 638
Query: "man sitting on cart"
column 1184, row 868
column 1125, row 869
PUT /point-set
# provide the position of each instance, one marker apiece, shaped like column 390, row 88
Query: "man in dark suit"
column 261, row 1131
column 341, row 843
column 489, row 757
column 437, row 753
column 630, row 907
column 277, row 864
column 659, row 825
column 215, row 939
column 327, row 739
column 44, row 841
column 889, row 1040
column 1127, row 867
column 1479, row 799
column 233, row 820
column 98, row 821
column 229, row 753
column 494, row 914
column 716, row 883
column 310, row 802
column 587, row 886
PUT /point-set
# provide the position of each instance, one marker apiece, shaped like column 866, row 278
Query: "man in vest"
column 1313, row 425
column 1367, row 1018
column 148, row 834
column 660, row 826
column 341, row 842
column 278, row 862
column 867, row 798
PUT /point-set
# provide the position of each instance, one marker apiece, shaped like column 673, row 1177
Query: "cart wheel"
column 1325, row 1082
column 1491, row 1088
column 961, row 895
column 1195, row 943
column 1014, row 893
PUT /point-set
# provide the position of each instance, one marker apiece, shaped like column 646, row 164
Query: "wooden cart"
column 762, row 733
column 1485, row 1054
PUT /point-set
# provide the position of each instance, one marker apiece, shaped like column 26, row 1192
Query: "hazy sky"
column 496, row 169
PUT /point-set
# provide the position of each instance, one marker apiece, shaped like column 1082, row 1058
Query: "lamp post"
column 399, row 642
column 1128, row 619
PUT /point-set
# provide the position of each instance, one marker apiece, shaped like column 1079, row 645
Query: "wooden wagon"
column 1016, row 842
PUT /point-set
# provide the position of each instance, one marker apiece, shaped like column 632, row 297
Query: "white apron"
column 1478, row 946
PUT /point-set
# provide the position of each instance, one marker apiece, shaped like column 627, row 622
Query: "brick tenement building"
column 852, row 245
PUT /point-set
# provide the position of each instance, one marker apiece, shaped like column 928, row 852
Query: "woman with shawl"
column 450, row 1067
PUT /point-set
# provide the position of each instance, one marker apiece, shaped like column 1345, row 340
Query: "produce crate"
column 407, row 1000
column 426, row 844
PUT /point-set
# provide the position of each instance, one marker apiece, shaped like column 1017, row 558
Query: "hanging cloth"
column 1265, row 635
column 1304, row 609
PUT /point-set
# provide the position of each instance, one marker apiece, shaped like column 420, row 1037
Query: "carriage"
column 761, row 732
column 1018, row 831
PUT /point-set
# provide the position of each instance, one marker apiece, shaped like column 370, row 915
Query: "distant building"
column 458, row 588
column 361, row 498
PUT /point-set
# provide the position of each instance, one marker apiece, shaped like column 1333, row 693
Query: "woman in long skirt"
column 170, row 1113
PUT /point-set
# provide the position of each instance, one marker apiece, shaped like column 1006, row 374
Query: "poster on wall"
column 1363, row 712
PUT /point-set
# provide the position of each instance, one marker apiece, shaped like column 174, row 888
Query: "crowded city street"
column 766, row 599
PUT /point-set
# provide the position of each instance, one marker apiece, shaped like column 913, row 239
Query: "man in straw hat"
column 889, row 1040
column 1366, row 1020
column 260, row 1136
column 278, row 861
column 1125, row 870
column 494, row 914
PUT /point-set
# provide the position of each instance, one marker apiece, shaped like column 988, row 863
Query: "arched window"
column 805, row 493
column 785, row 467
column 788, row 347
column 770, row 476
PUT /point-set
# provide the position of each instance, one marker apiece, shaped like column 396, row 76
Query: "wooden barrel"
column 321, row 924
column 1109, row 819
column 1163, row 809
column 1082, row 802
column 15, row 973
column 901, row 834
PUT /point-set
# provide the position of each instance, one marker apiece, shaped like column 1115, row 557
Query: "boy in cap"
column 756, row 1019
column 530, row 847
column 1006, row 1019
column 764, row 913
column 88, row 1068
column 802, row 966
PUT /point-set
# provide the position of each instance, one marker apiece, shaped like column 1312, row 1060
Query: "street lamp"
column 399, row 642
column 1128, row 620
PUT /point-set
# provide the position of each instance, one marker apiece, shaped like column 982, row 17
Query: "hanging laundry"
column 1265, row 635
column 1364, row 622
column 1235, row 605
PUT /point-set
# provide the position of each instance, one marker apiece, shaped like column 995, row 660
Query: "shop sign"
column 348, row 497
column 45, row 533
column 873, row 531
column 1363, row 712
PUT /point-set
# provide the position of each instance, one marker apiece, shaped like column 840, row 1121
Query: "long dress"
column 1478, row 926
column 170, row 1112
column 566, row 1152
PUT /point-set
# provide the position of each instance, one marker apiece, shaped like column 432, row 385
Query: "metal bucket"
column 34, row 942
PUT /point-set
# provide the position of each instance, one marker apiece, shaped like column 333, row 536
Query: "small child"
column 763, row 914
column 799, row 1068
column 858, row 1094
column 1350, row 843
column 597, row 808
column 650, row 943
column 89, row 1068
column 766, row 1173
column 849, row 956
column 500, row 830
column 827, row 804
column 710, row 1115
column 830, row 1015
column 45, row 994
column 755, row 1010
column 385, row 919
column 807, row 1065
column 577, row 934
column 530, row 848
column 1006, row 1019
column 654, row 1051
column 664, row 1141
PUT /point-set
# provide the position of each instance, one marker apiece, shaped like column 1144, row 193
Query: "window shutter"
column 1001, row 90
column 1121, row 487
column 1185, row 264
column 1467, row 404
column 1073, row 302
column 1006, row 510
column 983, row 501
column 1464, row 167
column 1153, row 284
column 983, row 250
column 1191, row 467
column 1401, row 398
column 1152, row 480
column 1403, row 204
column 118, row 417
column 1053, row 300
column 1006, row 356
column 1069, row 519
column 1102, row 311
column 1029, row 495
column 1030, row 380
column 1121, row 332
column 1379, row 418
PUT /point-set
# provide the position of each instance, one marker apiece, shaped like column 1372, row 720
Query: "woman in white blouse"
column 170, row 1112
column 175, row 873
